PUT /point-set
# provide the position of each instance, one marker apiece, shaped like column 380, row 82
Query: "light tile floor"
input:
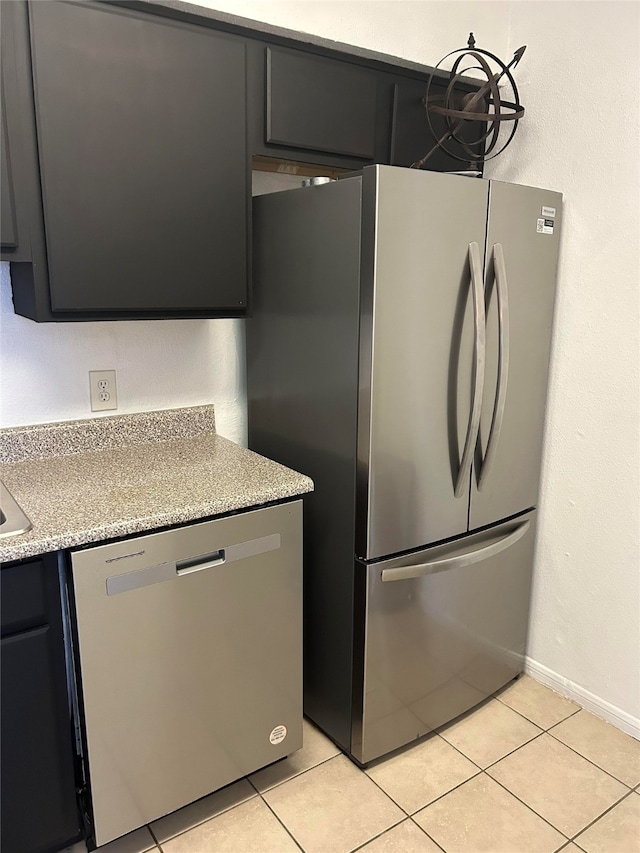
column 526, row 772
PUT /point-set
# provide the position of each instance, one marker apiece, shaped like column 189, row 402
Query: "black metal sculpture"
column 484, row 105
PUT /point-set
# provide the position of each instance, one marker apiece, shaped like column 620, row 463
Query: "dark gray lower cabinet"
column 37, row 791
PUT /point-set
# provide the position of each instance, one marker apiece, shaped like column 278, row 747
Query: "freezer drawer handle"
column 500, row 272
column 401, row 573
column 475, row 265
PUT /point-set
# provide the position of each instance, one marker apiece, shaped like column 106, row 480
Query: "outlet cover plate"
column 103, row 392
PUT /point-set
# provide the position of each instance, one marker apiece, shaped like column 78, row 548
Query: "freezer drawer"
column 190, row 651
column 445, row 628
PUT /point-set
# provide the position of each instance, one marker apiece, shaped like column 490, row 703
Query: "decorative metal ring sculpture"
column 493, row 110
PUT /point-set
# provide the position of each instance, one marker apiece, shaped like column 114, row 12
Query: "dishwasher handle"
column 172, row 569
column 201, row 563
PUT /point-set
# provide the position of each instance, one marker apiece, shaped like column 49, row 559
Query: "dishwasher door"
column 190, row 654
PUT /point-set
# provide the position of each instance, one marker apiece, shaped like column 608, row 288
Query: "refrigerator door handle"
column 500, row 272
column 401, row 573
column 475, row 266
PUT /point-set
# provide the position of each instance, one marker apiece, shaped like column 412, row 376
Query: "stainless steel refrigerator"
column 398, row 354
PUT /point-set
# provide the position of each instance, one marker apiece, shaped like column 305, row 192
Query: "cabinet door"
column 23, row 591
column 14, row 225
column 9, row 235
column 142, row 143
column 411, row 136
column 320, row 104
column 38, row 798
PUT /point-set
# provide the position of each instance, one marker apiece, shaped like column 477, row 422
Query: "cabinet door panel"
column 320, row 104
column 142, row 143
column 22, row 597
column 15, row 237
column 38, row 802
column 7, row 219
column 411, row 137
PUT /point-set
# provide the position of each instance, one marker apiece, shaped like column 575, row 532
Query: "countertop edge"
column 129, row 483
column 121, row 529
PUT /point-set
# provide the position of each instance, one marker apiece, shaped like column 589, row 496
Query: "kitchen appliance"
column 398, row 354
column 188, row 649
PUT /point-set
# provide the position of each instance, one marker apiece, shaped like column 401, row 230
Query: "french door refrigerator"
column 398, row 354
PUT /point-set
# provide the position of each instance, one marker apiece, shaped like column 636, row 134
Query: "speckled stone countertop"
column 98, row 479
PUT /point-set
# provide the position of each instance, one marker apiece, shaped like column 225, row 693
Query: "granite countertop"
column 102, row 478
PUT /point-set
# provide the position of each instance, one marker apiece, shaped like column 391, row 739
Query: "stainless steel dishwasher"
column 188, row 650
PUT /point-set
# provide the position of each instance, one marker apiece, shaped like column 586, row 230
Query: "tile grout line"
column 549, row 732
column 479, row 770
column 593, row 764
column 493, row 763
column 531, row 809
column 524, row 717
column 595, row 820
column 207, row 819
column 439, row 797
column 283, row 825
column 460, row 752
column 379, row 834
column 296, row 775
column 256, row 793
column 439, row 846
column 557, row 740
column 606, row 811
column 411, row 815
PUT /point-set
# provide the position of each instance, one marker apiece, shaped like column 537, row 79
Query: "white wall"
column 160, row 364
column 419, row 30
column 578, row 81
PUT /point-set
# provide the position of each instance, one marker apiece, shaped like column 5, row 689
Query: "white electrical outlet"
column 102, row 385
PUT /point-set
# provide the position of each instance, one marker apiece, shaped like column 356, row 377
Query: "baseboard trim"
column 600, row 707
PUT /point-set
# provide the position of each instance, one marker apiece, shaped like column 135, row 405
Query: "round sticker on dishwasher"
column 278, row 734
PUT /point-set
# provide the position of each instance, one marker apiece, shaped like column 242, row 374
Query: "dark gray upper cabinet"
column 141, row 130
column 127, row 149
column 411, row 137
column 9, row 233
column 320, row 104
column 14, row 230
